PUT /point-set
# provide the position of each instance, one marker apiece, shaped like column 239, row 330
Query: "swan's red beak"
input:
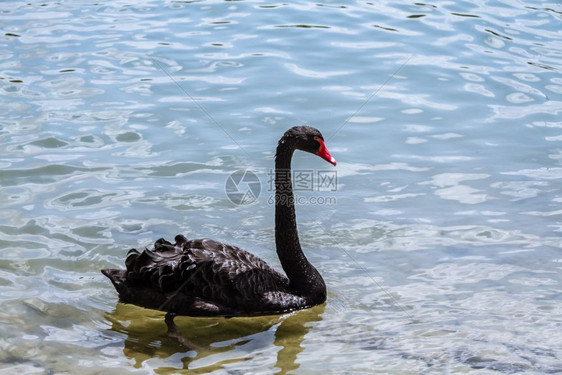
column 323, row 152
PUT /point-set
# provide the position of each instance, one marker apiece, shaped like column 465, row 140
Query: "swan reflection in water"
column 208, row 344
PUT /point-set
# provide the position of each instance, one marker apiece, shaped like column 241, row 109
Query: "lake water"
column 439, row 233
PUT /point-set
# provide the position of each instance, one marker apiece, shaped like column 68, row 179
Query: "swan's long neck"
column 303, row 277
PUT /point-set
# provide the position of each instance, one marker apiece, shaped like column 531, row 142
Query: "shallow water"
column 440, row 240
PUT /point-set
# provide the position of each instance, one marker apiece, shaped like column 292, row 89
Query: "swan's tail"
column 116, row 276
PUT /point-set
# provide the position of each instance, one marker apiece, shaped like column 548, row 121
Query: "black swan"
column 203, row 277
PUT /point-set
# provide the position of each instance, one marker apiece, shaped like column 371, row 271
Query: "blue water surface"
column 439, row 237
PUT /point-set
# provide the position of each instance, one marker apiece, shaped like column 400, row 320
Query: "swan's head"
column 309, row 139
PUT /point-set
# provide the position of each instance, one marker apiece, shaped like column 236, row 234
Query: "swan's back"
column 203, row 277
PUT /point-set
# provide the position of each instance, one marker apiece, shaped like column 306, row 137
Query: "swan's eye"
column 320, row 142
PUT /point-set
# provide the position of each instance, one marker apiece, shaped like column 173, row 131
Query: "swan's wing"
column 201, row 277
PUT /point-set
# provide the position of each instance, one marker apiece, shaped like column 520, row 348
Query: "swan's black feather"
column 203, row 277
